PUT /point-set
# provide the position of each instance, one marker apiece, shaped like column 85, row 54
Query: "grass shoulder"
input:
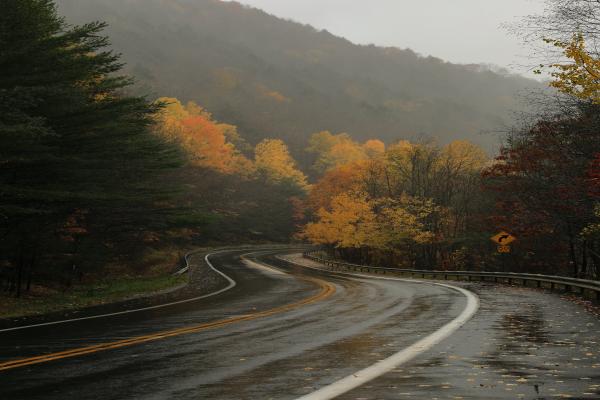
column 42, row 301
column 113, row 284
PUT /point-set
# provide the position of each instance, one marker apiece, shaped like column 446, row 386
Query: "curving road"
column 281, row 332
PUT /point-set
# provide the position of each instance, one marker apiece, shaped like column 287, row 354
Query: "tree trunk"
column 19, row 274
column 30, row 271
column 572, row 254
column 595, row 267
column 584, row 260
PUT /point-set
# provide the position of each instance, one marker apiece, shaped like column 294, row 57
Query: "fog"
column 461, row 31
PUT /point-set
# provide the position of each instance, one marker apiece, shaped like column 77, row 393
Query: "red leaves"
column 593, row 177
column 74, row 226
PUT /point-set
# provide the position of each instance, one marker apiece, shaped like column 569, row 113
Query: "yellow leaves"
column 581, row 76
column 208, row 143
column 336, row 150
column 213, row 145
column 349, row 224
column 374, row 148
column 353, row 221
column 273, row 160
column 464, row 156
column 403, row 220
column 403, row 153
column 394, row 189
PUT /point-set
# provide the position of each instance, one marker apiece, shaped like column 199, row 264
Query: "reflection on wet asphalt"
column 519, row 342
column 522, row 344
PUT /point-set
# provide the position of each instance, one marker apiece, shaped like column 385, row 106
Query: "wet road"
column 293, row 352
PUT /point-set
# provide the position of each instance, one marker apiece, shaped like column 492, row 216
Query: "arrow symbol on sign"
column 503, row 238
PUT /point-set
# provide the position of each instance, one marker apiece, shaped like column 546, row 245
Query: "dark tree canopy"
column 71, row 139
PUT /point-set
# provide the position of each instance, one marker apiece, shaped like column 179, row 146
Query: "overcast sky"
column 460, row 31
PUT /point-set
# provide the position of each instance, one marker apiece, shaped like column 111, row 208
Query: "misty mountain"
column 277, row 78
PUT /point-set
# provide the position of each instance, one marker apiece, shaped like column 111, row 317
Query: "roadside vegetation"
column 429, row 206
column 104, row 290
column 93, row 177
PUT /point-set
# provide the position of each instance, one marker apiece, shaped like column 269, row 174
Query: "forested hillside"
column 98, row 183
column 277, row 78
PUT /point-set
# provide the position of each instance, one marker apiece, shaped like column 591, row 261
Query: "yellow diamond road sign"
column 503, row 239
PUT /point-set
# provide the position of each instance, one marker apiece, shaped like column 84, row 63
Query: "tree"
column 542, row 181
column 423, row 197
column 207, row 143
column 374, row 148
column 349, row 224
column 559, row 24
column 274, row 162
column 580, row 77
column 544, row 175
column 69, row 137
column 346, row 178
column 335, row 150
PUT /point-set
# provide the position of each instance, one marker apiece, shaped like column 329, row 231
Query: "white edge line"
column 232, row 284
column 382, row 367
column 261, row 266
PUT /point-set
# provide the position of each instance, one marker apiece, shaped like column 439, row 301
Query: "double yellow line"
column 327, row 290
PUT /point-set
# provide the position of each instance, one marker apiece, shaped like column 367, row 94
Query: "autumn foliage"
column 208, row 143
column 336, row 150
column 407, row 205
column 423, row 205
column 274, row 162
column 94, row 177
column 227, row 184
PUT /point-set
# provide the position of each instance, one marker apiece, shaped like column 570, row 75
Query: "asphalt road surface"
column 288, row 331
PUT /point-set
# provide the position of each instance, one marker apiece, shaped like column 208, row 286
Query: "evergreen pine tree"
column 71, row 139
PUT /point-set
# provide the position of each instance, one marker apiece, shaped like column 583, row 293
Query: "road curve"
column 283, row 354
column 291, row 331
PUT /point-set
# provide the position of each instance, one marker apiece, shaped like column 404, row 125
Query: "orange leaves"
column 343, row 179
column 374, row 148
column 391, row 200
column 212, row 145
column 206, row 142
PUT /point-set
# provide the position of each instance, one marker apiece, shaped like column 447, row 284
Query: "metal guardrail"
column 187, row 266
column 585, row 288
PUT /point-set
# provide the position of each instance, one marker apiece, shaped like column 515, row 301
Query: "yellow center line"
column 327, row 290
